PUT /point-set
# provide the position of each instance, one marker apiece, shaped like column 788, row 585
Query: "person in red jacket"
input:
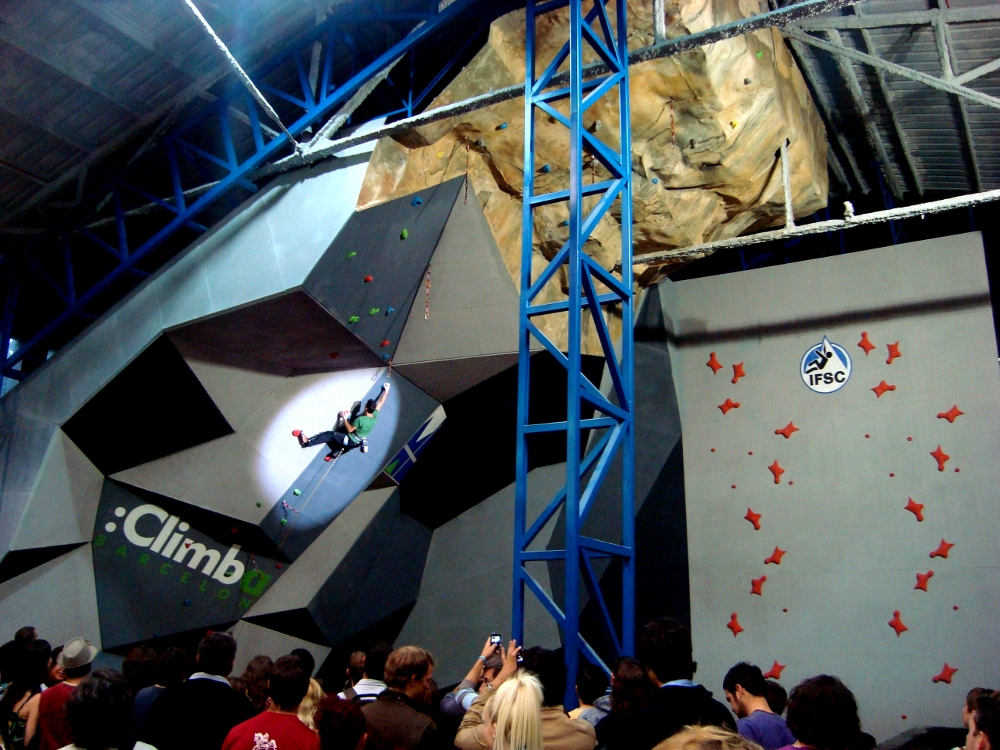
column 278, row 727
column 53, row 729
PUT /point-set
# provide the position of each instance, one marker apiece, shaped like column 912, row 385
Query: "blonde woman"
column 707, row 738
column 307, row 708
column 512, row 718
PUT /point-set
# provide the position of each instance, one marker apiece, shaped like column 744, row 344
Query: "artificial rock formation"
column 706, row 126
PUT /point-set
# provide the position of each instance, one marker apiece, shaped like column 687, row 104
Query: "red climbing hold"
column 775, row 557
column 385, row 342
column 945, row 674
column 942, row 550
column 787, row 430
column 922, row 579
column 894, row 352
column 915, row 508
column 234, row 530
column 278, row 566
column 896, row 624
column 734, row 625
column 865, row 343
column 713, row 363
column 777, row 471
column 753, row 518
column 951, row 415
column 738, row 372
column 729, row 404
column 882, row 388
column 327, row 458
column 757, row 585
column 296, row 433
column 941, row 457
column 369, row 279
column 334, row 355
column 774, row 673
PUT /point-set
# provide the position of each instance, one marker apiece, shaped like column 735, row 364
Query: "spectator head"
column 340, row 724
column 31, row 671
column 742, row 683
column 551, row 671
column 493, row 666
column 591, row 683
column 216, row 653
column 9, row 658
column 355, row 667
column 99, row 711
column 56, row 673
column 777, row 697
column 308, row 660
column 512, row 719
column 172, row 666
column 410, row 670
column 256, row 676
column 289, row 683
column 25, row 635
column 823, row 714
column 238, row 684
column 139, row 668
column 309, row 704
column 76, row 658
column 631, row 687
column 970, row 704
column 984, row 724
column 665, row 649
column 707, row 738
column 375, row 661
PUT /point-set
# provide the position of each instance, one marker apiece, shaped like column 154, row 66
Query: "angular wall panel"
column 252, row 640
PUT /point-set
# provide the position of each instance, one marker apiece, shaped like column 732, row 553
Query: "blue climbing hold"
column 390, row 311
column 564, row 223
column 417, row 201
column 656, row 181
column 385, row 357
column 296, row 492
column 546, row 168
column 187, row 602
column 503, row 126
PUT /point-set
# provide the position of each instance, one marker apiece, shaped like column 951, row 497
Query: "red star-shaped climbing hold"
column 777, row 471
column 753, row 518
column 942, row 550
column 952, row 414
column 896, row 624
column 915, row 508
column 774, row 673
column 757, row 585
column 945, row 674
column 882, row 388
column 729, row 404
column 738, row 372
column 941, row 457
column 865, row 343
column 893, row 352
column 922, row 579
column 787, row 430
column 713, row 363
column 734, row 625
column 776, row 556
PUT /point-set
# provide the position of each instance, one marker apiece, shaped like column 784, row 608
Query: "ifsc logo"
column 825, row 367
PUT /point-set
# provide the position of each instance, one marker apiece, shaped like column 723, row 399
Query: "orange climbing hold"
column 385, row 342
column 894, row 352
column 865, row 343
column 945, row 674
column 896, row 624
column 738, row 372
column 951, row 415
column 753, row 518
column 881, row 388
column 734, row 625
column 369, row 279
column 774, row 673
column 916, row 509
column 729, row 404
column 713, row 363
column 775, row 557
column 941, row 457
column 922, row 579
column 942, row 549
column 757, row 585
column 787, row 430
column 777, row 471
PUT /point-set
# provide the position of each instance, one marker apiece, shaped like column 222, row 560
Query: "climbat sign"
column 825, row 367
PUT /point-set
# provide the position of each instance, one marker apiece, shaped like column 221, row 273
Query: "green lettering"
column 186, row 576
column 143, row 559
column 203, row 586
column 254, row 582
column 223, row 593
column 100, row 540
column 165, row 568
column 121, row 551
column 244, row 604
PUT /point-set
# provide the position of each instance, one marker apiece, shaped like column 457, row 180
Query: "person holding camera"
column 483, row 672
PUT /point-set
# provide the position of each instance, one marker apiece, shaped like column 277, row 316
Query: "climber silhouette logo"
column 825, row 367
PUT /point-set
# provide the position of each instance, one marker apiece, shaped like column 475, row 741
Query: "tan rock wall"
column 705, row 126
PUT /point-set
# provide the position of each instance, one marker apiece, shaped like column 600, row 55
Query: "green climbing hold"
column 259, row 504
column 296, row 492
column 373, row 311
column 760, row 54
column 284, row 521
column 353, row 319
column 351, row 254
column 404, row 234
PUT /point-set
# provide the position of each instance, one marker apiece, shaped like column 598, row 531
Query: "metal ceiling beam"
column 889, row 67
column 826, row 111
column 942, row 39
column 905, row 18
column 861, row 106
column 982, row 70
column 836, row 167
column 57, row 133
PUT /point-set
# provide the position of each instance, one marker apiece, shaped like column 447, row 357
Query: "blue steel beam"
column 314, row 110
column 614, row 431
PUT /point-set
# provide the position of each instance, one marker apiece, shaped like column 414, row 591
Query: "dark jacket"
column 395, row 723
column 671, row 708
column 195, row 715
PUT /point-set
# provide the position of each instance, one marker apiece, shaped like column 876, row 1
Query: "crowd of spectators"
column 511, row 699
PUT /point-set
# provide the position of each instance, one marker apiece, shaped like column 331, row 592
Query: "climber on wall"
column 352, row 434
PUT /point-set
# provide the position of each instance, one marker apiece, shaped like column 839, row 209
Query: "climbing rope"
column 673, row 132
column 467, row 158
column 427, row 296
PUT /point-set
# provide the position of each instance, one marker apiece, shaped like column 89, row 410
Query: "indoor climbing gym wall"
column 841, row 464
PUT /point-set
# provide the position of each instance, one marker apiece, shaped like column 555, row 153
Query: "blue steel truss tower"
column 592, row 290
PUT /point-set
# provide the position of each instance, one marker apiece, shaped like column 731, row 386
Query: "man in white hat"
column 76, row 659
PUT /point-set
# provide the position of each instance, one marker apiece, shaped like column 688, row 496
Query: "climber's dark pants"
column 332, row 438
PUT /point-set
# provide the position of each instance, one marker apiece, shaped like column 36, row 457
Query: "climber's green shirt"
column 363, row 426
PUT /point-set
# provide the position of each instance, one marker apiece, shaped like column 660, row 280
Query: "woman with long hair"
column 256, row 675
column 631, row 690
column 512, row 718
column 31, row 669
column 309, row 704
